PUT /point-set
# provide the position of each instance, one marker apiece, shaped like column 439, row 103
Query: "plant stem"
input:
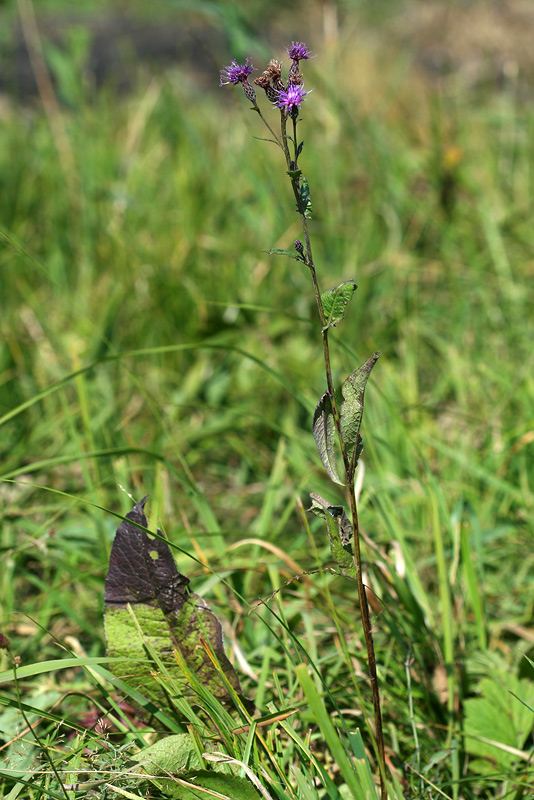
column 348, row 466
column 349, row 474
column 369, row 643
column 283, row 127
column 277, row 140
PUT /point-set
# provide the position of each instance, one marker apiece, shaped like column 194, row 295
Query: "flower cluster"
column 287, row 99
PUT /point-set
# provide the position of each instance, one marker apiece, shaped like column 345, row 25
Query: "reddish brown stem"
column 348, row 468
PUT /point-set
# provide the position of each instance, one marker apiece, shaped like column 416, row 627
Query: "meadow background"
column 150, row 346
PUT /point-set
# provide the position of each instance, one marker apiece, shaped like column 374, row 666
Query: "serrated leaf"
column 335, row 301
column 351, row 411
column 143, row 577
column 339, row 531
column 170, row 754
column 206, row 783
column 277, row 251
column 305, row 197
column 324, row 431
column 320, row 507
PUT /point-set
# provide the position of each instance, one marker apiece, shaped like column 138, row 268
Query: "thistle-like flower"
column 290, row 99
column 299, row 51
column 236, row 73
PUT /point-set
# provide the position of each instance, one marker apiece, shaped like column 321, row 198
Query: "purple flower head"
column 291, row 97
column 299, row 51
column 236, row 73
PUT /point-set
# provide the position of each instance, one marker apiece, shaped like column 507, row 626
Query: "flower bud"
column 250, row 94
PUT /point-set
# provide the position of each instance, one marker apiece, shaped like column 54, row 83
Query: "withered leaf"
column 143, row 578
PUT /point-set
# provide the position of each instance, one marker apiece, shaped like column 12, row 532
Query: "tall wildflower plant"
column 333, row 420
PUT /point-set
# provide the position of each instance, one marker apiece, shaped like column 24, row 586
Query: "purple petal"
column 299, row 51
column 291, row 97
column 236, row 73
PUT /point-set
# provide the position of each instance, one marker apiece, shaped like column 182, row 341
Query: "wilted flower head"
column 294, row 76
column 274, row 71
column 291, row 98
column 299, row 51
column 236, row 73
column 265, row 82
column 271, row 80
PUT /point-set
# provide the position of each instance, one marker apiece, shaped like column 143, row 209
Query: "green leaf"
column 177, row 755
column 339, row 531
column 305, row 197
column 335, row 301
column 149, row 609
column 498, row 727
column 205, row 783
column 351, row 410
column 171, row 754
column 277, row 251
column 324, row 430
column 307, row 789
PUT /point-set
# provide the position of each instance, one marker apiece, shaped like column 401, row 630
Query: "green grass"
column 149, row 345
